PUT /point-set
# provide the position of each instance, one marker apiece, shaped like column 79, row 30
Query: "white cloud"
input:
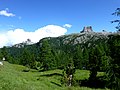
column 6, row 13
column 19, row 35
column 67, row 25
column 3, row 40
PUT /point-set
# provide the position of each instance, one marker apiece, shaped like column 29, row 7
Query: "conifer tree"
column 85, row 58
column 25, row 57
column 46, row 56
column 5, row 53
column 1, row 56
column 94, row 61
column 113, row 69
column 78, row 57
column 68, row 74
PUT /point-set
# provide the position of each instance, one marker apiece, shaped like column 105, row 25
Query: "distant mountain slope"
column 85, row 38
column 62, row 47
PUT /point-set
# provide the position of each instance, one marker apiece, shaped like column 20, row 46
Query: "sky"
column 36, row 19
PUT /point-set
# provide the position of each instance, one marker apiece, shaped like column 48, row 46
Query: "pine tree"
column 5, row 53
column 27, row 58
column 113, row 68
column 46, row 56
column 94, row 61
column 1, row 56
column 68, row 74
column 78, row 58
column 85, row 58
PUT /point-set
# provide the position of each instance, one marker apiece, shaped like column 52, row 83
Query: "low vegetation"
column 64, row 63
column 12, row 77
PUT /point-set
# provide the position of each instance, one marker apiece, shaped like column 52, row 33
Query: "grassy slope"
column 12, row 78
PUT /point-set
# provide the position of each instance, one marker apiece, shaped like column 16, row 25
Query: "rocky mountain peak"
column 20, row 45
column 87, row 29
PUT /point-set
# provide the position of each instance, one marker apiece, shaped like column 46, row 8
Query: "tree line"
column 51, row 53
column 100, row 56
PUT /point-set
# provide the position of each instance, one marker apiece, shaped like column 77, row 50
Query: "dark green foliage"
column 27, row 58
column 117, row 13
column 1, row 56
column 93, row 63
column 98, row 60
column 68, row 75
column 94, row 52
column 113, row 70
column 54, row 52
column 51, row 53
column 78, row 57
column 104, row 63
column 5, row 53
column 85, row 58
column 46, row 56
column 60, row 61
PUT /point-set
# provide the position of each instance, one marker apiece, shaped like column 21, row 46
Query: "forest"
column 100, row 56
column 99, row 53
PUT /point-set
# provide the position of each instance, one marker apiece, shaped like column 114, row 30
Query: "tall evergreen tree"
column 1, row 56
column 95, row 61
column 113, row 68
column 27, row 59
column 78, row 57
column 5, row 53
column 68, row 74
column 46, row 56
column 85, row 58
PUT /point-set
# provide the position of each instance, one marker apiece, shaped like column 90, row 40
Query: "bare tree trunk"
column 69, row 80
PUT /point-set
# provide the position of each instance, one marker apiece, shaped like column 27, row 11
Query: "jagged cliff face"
column 87, row 29
column 86, row 36
column 66, row 44
column 21, row 45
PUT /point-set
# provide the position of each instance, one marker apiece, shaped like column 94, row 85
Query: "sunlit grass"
column 12, row 77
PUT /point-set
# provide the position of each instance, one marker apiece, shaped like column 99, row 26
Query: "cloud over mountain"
column 19, row 35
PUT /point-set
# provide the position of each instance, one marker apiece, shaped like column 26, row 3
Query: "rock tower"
column 87, row 29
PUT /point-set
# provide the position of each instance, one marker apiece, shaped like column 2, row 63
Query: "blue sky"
column 31, row 15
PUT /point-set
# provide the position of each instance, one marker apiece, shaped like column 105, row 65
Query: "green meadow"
column 12, row 77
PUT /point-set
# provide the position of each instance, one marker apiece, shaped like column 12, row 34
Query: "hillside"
column 60, row 46
column 87, row 35
column 87, row 52
column 12, row 77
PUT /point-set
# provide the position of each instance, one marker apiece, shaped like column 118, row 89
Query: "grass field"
column 12, row 77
